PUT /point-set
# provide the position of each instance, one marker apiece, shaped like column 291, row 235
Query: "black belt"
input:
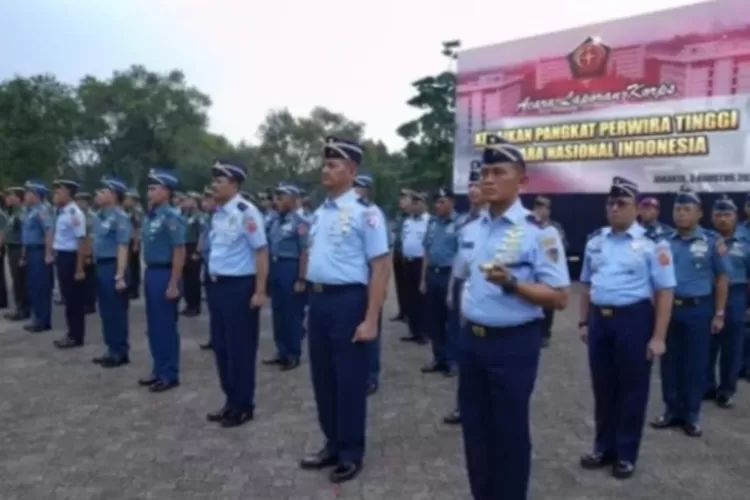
column 413, row 259
column 690, row 301
column 441, row 269
column 34, row 247
column 494, row 331
column 608, row 311
column 277, row 258
column 324, row 288
column 14, row 245
column 159, row 265
column 106, row 260
column 218, row 278
column 58, row 252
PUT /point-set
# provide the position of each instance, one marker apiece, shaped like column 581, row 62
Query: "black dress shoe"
column 100, row 359
column 692, row 430
column 236, row 419
column 190, row 313
column 147, row 381
column 725, row 402
column 217, row 416
column 344, row 471
column 113, row 362
column 372, row 388
column 67, row 343
column 90, row 310
column 592, row 461
column 546, row 342
column 709, row 395
column 434, row 368
column 163, row 385
column 409, row 338
column 666, row 421
column 398, row 317
column 36, row 328
column 274, row 361
column 16, row 316
column 289, row 364
column 319, row 460
column 207, row 346
column 623, row 469
column 453, row 418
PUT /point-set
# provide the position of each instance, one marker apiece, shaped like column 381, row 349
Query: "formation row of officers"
column 486, row 279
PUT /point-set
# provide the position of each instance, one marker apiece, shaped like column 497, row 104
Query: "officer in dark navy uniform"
column 83, row 200
column 195, row 222
column 516, row 268
column 133, row 208
column 624, row 323
column 348, row 275
column 648, row 216
column 208, row 206
column 13, row 244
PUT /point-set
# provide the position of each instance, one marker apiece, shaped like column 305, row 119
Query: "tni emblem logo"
column 590, row 59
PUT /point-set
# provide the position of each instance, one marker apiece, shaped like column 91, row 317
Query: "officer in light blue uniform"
column 441, row 246
column 238, row 267
column 36, row 237
column 70, row 254
column 163, row 237
column 513, row 261
column 112, row 233
column 414, row 231
column 727, row 345
column 287, row 239
column 701, row 263
column 363, row 184
column 348, row 274
column 625, row 267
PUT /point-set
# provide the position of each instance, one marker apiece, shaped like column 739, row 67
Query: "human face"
column 648, row 213
column 621, row 211
column 285, row 202
column 60, row 196
column 30, row 197
column 224, row 188
column 443, row 206
column 686, row 215
column 541, row 211
column 404, row 203
column 475, row 194
column 157, row 194
column 724, row 221
column 501, row 182
column 105, row 197
column 337, row 173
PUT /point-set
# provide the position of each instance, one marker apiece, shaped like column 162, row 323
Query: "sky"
column 354, row 57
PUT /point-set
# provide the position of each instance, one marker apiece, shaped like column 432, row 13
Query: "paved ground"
column 69, row 430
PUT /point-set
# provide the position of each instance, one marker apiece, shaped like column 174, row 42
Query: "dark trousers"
column 113, row 309
column 454, row 322
column 90, row 287
column 161, row 324
column 620, row 375
column 3, row 283
column 39, row 279
column 549, row 318
column 437, row 314
column 287, row 309
column 18, row 275
column 413, row 299
column 73, row 293
column 727, row 345
column 398, row 275
column 683, row 365
column 340, row 367
column 234, row 336
column 377, row 347
column 191, row 278
column 134, row 270
column 498, row 372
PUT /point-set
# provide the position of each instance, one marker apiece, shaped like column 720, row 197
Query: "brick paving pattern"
column 70, row 430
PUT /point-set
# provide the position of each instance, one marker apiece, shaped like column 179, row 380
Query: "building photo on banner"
column 662, row 99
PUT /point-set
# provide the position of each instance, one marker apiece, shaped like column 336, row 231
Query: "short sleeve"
column 176, row 230
column 720, row 260
column 375, row 233
column 661, row 266
column 254, row 228
column 303, row 230
column 44, row 216
column 551, row 265
column 586, row 267
column 124, row 229
column 78, row 222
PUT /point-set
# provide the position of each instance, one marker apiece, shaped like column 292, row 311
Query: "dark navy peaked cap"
column 500, row 150
column 475, row 171
column 342, row 149
column 114, row 184
column 443, row 193
column 724, row 204
column 70, row 184
column 364, row 180
column 623, row 188
column 232, row 170
column 163, row 177
column 687, row 196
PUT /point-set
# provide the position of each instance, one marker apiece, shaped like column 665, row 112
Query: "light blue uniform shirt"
column 112, row 229
column 460, row 262
column 532, row 253
column 625, row 268
column 288, row 235
column 414, row 231
column 70, row 226
column 36, row 222
column 697, row 263
column 441, row 241
column 236, row 234
column 163, row 230
column 346, row 234
column 738, row 247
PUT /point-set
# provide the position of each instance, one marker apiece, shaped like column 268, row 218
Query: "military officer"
column 404, row 205
column 177, row 198
column 208, row 206
column 83, row 201
column 348, row 275
column 460, row 272
column 363, row 184
column 287, row 239
column 14, row 247
column 623, row 328
column 516, row 268
column 727, row 345
column 414, row 231
column 132, row 207
column 70, row 255
column 265, row 200
column 303, row 205
column 195, row 222
column 238, row 264
column 112, row 240
column 3, row 227
column 164, row 256
column 441, row 247
column 648, row 215
column 37, row 233
column 701, row 264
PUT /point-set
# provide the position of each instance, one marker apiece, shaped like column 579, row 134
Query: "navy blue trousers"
column 234, row 336
column 727, row 346
column 113, row 309
column 683, row 366
column 339, row 367
column 39, row 283
column 620, row 376
column 161, row 324
column 498, row 369
column 73, row 293
column 454, row 323
column 374, row 377
column 437, row 314
column 287, row 309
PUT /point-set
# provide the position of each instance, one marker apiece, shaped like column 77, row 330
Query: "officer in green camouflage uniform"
column 132, row 206
column 195, row 222
column 404, row 205
column 83, row 200
column 12, row 239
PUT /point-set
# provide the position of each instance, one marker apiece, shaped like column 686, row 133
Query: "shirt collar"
column 342, row 198
column 634, row 231
column 514, row 214
column 161, row 209
column 698, row 233
column 231, row 204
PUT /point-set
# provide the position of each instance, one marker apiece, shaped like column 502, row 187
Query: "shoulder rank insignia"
column 364, row 201
column 242, row 206
column 531, row 219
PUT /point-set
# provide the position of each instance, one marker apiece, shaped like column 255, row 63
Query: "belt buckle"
column 317, row 288
column 678, row 302
column 213, row 278
column 607, row 311
column 478, row 331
